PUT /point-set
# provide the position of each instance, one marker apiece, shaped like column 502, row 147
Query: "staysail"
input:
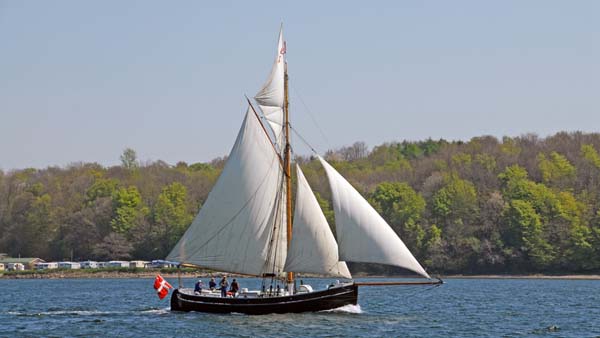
column 272, row 95
column 239, row 228
column 313, row 248
column 362, row 234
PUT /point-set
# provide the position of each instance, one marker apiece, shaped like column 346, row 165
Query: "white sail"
column 313, row 248
column 233, row 230
column 362, row 234
column 272, row 95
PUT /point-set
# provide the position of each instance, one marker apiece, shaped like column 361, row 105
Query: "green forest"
column 517, row 205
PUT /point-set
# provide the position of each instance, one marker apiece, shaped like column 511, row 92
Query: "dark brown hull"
column 332, row 298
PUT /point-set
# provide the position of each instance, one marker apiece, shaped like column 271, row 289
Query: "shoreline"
column 99, row 275
column 533, row 276
column 203, row 274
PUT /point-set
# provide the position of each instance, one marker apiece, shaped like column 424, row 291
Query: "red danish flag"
column 162, row 286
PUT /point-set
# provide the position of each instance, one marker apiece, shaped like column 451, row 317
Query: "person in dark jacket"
column 212, row 284
column 235, row 287
column 198, row 287
column 223, row 286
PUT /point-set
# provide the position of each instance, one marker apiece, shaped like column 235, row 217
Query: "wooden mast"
column 287, row 168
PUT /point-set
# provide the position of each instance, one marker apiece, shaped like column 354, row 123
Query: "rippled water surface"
column 460, row 308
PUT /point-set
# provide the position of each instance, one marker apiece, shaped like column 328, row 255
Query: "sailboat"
column 245, row 225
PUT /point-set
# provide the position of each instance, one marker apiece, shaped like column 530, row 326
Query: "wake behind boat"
column 245, row 225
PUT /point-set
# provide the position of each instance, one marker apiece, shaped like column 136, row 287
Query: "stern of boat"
column 175, row 301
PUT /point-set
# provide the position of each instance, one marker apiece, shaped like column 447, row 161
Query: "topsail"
column 271, row 96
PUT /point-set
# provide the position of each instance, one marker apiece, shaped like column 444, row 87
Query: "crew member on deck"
column 212, row 284
column 198, row 287
column 235, row 287
column 223, row 285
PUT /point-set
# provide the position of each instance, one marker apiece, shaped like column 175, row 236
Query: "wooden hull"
column 305, row 302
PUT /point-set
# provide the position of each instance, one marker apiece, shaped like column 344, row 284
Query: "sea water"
column 459, row 308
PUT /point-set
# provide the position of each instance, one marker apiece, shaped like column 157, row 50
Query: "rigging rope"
column 303, row 140
column 311, row 116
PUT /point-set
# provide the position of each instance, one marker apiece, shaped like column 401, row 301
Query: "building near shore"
column 69, row 265
column 15, row 267
column 159, row 264
column 1, row 266
column 138, row 264
column 46, row 266
column 89, row 265
column 118, row 264
column 27, row 262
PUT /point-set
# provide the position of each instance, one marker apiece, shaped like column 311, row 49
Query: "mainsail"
column 313, row 248
column 272, row 95
column 362, row 234
column 240, row 227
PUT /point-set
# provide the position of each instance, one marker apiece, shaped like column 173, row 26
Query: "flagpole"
column 179, row 276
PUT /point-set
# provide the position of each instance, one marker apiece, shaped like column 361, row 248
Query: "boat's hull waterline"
column 331, row 298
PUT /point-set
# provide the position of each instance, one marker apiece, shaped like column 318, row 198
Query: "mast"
column 288, row 171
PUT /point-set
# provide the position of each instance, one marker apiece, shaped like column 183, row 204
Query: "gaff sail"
column 239, row 228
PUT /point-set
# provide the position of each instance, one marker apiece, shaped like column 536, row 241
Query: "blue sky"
column 81, row 81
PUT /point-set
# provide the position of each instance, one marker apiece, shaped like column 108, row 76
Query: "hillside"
column 517, row 205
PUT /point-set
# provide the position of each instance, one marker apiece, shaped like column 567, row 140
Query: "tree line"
column 516, row 205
